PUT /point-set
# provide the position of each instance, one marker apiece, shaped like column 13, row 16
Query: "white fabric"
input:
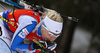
column 53, row 26
column 24, row 20
column 1, row 13
column 1, row 21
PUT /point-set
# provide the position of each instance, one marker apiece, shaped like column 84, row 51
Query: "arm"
column 25, row 27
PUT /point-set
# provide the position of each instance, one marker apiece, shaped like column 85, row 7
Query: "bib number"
column 0, row 31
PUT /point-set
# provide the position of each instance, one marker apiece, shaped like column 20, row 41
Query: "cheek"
column 52, row 38
column 45, row 34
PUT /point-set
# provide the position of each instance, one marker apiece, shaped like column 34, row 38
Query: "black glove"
column 50, row 46
column 36, row 46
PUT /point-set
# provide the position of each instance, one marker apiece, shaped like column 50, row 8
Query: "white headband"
column 53, row 26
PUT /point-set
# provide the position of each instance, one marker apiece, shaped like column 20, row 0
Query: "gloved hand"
column 50, row 46
column 36, row 46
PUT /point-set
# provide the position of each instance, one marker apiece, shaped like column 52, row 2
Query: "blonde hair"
column 52, row 14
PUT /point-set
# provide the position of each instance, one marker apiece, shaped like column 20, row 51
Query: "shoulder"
column 26, row 17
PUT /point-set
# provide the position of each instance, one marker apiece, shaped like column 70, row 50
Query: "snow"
column 81, row 40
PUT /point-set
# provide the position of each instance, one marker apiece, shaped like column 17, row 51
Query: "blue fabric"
column 18, row 1
column 5, row 13
column 39, row 31
column 14, row 4
column 17, row 42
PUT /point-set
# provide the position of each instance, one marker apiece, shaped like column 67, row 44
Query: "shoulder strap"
column 37, row 26
column 14, row 16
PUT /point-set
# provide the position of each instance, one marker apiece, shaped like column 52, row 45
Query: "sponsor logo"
column 22, row 35
column 0, row 31
column 18, row 49
column 57, row 30
column 21, row 49
column 25, row 31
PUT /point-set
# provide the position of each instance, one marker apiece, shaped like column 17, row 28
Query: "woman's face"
column 46, row 35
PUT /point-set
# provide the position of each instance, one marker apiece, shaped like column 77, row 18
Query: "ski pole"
column 41, row 45
column 38, row 50
column 70, row 18
column 3, row 7
column 7, row 21
column 36, row 41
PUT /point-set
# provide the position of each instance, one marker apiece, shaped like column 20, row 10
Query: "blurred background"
column 76, row 37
